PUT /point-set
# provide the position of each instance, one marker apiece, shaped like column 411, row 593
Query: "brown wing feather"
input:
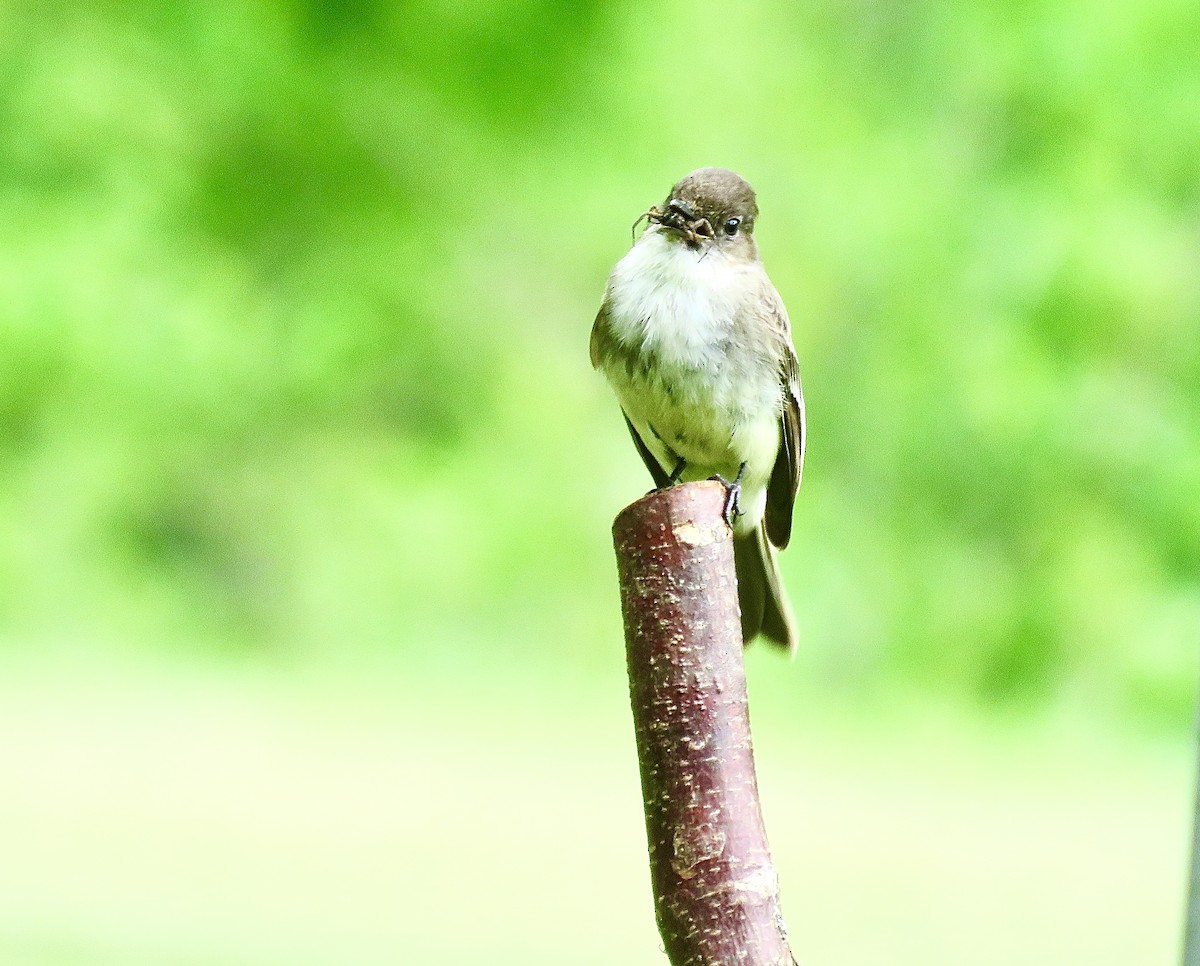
column 661, row 477
column 789, row 463
column 599, row 335
column 599, row 346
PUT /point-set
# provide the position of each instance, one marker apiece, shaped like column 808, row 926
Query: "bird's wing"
column 789, row 463
column 661, row 477
column 601, row 344
column 600, row 334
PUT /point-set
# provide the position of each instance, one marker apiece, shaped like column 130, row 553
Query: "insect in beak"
column 680, row 218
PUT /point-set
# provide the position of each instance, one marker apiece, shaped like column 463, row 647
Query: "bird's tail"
column 765, row 607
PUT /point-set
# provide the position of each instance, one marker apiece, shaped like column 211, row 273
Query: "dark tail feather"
column 765, row 608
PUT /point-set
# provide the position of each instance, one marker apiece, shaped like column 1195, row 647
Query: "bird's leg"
column 733, row 495
column 680, row 465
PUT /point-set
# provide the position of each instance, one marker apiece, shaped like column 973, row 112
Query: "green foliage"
column 295, row 301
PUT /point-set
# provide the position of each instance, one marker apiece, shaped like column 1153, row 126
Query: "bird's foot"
column 680, row 466
column 733, row 495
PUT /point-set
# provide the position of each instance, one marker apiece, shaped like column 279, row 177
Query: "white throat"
column 674, row 300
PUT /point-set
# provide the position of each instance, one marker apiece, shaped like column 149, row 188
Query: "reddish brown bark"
column 715, row 889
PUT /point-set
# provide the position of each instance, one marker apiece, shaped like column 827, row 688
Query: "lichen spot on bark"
column 694, row 845
column 690, row 533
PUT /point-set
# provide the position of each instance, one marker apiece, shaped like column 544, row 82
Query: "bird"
column 696, row 343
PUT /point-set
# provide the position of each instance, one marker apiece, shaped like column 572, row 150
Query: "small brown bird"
column 696, row 343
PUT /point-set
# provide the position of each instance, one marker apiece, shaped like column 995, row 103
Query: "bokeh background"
column 310, row 648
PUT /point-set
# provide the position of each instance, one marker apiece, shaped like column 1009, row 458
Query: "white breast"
column 709, row 396
column 674, row 301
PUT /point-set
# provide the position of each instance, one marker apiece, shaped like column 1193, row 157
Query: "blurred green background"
column 309, row 641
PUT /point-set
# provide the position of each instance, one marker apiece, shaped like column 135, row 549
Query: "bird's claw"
column 732, row 508
column 676, row 473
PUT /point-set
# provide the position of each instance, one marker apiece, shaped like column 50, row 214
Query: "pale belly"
column 715, row 418
column 694, row 385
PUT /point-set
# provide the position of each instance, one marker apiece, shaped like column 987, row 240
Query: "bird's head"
column 710, row 208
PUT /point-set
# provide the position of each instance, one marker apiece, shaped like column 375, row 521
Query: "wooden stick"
column 716, row 893
column 1191, row 922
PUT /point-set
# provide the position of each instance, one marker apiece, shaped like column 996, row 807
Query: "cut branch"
column 1191, row 923
column 715, row 890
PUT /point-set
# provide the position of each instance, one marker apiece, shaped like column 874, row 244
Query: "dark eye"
column 731, row 226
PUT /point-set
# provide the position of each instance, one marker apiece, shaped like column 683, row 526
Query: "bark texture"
column 1191, row 924
column 715, row 890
